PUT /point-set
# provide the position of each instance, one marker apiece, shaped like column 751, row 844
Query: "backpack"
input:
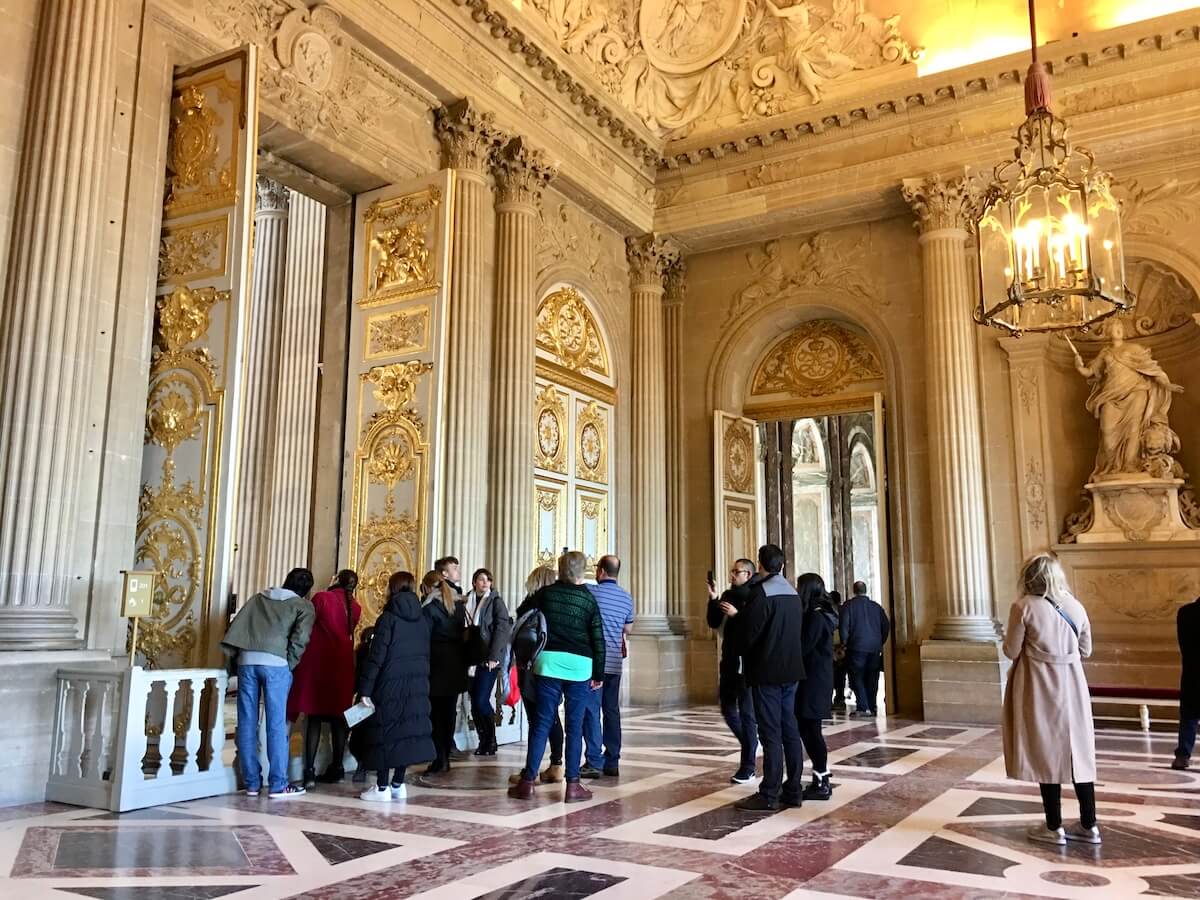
column 529, row 638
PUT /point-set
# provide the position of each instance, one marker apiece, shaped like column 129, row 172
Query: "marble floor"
column 920, row 811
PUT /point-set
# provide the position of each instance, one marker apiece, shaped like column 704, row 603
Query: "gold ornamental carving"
column 547, row 500
column 397, row 333
column 567, row 330
column 399, row 258
column 738, row 471
column 193, row 251
column 818, row 359
column 591, row 443
column 396, row 385
column 550, row 418
column 199, row 169
column 821, row 263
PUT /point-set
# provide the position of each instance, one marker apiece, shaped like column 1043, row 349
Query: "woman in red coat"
column 323, row 682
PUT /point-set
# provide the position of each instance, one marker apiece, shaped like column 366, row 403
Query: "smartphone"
column 711, row 580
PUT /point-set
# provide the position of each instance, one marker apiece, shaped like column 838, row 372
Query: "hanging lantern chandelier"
column 1049, row 228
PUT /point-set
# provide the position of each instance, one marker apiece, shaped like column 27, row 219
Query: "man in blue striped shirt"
column 616, row 615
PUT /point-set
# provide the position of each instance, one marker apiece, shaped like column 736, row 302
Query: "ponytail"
column 347, row 580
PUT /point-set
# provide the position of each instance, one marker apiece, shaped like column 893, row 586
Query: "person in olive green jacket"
column 264, row 642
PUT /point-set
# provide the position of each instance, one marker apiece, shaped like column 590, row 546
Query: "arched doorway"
column 573, row 416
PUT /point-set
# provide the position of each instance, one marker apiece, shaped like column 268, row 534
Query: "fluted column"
column 649, row 258
column 50, row 303
column 521, row 176
column 943, row 207
column 468, row 139
column 675, row 290
column 257, row 436
column 296, row 405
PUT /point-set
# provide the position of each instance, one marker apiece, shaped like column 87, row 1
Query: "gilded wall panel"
column 551, row 511
column 401, row 247
column 397, row 333
column 553, row 435
column 185, row 507
column 591, row 523
column 591, row 441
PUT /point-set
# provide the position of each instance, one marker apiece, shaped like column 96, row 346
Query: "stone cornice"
column 1117, row 45
column 632, row 135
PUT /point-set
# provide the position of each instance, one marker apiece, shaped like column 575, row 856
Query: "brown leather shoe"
column 576, row 793
column 522, row 790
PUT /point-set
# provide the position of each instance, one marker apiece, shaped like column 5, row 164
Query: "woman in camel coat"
column 1048, row 733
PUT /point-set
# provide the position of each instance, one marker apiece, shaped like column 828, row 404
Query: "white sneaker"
column 1044, row 835
column 290, row 791
column 1077, row 832
column 399, row 791
column 252, row 792
column 377, row 794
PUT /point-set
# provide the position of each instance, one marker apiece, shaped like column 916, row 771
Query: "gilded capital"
column 522, row 173
column 467, row 135
column 674, row 283
column 650, row 257
column 270, row 196
column 942, row 203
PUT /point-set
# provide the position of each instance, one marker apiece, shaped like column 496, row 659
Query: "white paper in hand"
column 359, row 712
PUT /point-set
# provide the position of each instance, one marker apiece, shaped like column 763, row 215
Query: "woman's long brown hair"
column 347, row 582
column 433, row 579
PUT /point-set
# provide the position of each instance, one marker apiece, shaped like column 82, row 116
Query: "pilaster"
column 675, row 289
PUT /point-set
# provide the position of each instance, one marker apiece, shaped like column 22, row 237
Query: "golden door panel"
column 735, row 488
column 551, row 510
column 567, row 334
column 552, row 437
column 186, row 504
column 740, row 530
column 591, row 440
column 395, row 386
column 591, row 523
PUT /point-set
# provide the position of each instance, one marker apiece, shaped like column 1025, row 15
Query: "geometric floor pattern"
column 920, row 811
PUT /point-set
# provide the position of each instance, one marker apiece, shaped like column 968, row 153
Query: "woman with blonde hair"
column 1048, row 732
column 447, row 616
column 539, row 578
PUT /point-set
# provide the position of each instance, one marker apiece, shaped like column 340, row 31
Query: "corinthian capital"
column 270, row 196
column 942, row 203
column 521, row 173
column 467, row 135
column 650, row 257
column 674, row 285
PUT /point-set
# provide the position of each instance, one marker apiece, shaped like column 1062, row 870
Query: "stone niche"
column 1131, row 593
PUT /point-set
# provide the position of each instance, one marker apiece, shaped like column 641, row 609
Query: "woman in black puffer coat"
column 396, row 678
column 814, row 699
column 446, row 613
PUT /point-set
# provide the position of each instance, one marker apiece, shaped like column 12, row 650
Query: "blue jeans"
column 783, row 753
column 603, row 741
column 273, row 683
column 1187, row 737
column 550, row 692
column 737, row 706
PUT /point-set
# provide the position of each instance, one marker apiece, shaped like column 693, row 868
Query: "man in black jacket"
column 1187, row 623
column 864, row 628
column 737, row 701
column 773, row 662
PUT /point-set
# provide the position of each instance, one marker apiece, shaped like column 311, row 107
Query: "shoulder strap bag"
column 1062, row 613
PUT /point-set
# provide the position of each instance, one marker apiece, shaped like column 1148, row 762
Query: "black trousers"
column 864, row 678
column 1052, row 803
column 839, row 682
column 338, row 734
column 814, row 744
column 737, row 706
column 443, row 715
column 381, row 777
column 779, row 733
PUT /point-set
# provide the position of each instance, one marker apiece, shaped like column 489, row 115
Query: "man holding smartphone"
column 737, row 701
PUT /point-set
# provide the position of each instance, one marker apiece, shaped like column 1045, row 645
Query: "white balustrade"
column 128, row 739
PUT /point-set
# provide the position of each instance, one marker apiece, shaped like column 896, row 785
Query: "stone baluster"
column 296, row 404
column 468, row 139
column 50, row 303
column 673, row 296
column 257, row 439
column 649, row 258
column 962, row 668
column 522, row 175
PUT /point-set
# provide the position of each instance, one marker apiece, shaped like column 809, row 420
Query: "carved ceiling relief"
column 682, row 63
column 566, row 234
column 1159, row 209
column 821, row 262
column 1165, row 301
column 818, row 359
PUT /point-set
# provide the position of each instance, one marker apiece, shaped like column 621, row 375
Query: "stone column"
column 468, row 139
column 48, row 351
column 962, row 681
column 296, row 404
column 657, row 656
column 257, row 433
column 675, row 290
column 521, row 174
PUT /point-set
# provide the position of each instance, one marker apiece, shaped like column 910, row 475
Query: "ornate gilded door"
column 573, row 415
column 736, row 489
column 186, row 507
column 395, row 383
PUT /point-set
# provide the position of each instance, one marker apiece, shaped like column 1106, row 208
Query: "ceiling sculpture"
column 682, row 64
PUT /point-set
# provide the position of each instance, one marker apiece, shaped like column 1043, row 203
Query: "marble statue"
column 1131, row 396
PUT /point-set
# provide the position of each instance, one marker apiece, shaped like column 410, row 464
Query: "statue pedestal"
column 1136, row 509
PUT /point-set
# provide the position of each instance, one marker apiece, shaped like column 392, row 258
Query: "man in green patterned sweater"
column 571, row 666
